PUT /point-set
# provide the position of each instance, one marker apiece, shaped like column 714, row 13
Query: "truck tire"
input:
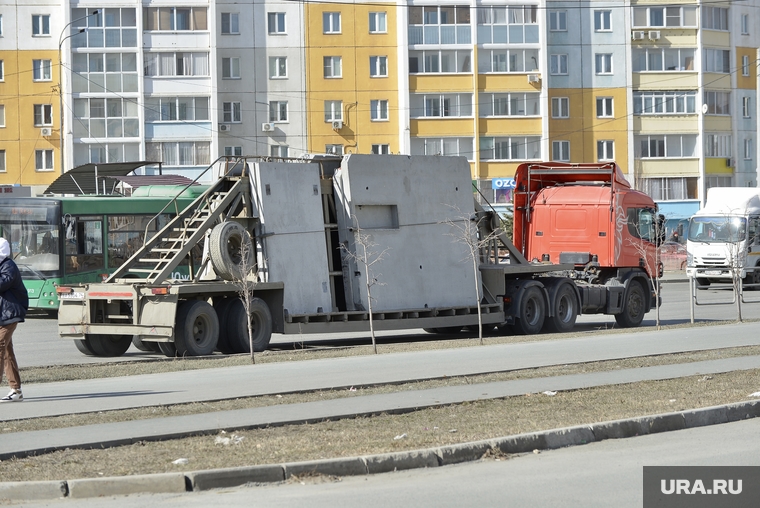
column 261, row 326
column 532, row 312
column 227, row 242
column 109, row 345
column 565, row 311
column 168, row 349
column 197, row 330
column 222, row 308
column 147, row 346
column 83, row 345
column 633, row 306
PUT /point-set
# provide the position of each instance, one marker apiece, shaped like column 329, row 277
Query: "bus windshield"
column 33, row 233
column 717, row 229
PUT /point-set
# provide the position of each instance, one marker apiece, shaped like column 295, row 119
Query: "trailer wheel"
column 222, row 308
column 565, row 311
column 532, row 312
column 167, row 348
column 147, row 346
column 261, row 326
column 83, row 345
column 197, row 329
column 227, row 243
column 109, row 345
column 633, row 306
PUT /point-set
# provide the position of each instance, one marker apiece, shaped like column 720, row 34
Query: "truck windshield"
column 717, row 229
column 33, row 233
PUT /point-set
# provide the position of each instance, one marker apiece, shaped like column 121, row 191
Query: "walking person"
column 14, row 302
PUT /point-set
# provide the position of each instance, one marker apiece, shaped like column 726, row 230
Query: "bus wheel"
column 83, row 345
column 197, row 330
column 532, row 312
column 565, row 311
column 167, row 348
column 109, row 345
column 633, row 306
column 227, row 243
column 261, row 326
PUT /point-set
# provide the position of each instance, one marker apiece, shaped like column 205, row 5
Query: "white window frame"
column 714, row 18
column 40, row 25
column 232, row 23
column 381, row 149
column 42, row 70
column 602, row 20
column 746, row 107
column 278, row 111
column 558, row 21
column 666, row 146
column 231, row 67
column 605, row 107
column 510, row 104
column 669, row 102
column 43, row 115
column 560, row 107
column 605, row 150
column 748, row 152
column 673, row 16
column 329, row 22
column 378, row 110
column 378, row 67
column 745, row 24
column 561, row 150
column 276, row 65
column 718, row 145
column 717, row 60
column 333, row 111
column 2, row 115
column 377, row 19
column 332, row 67
column 232, row 112
column 745, row 65
column 558, row 65
column 279, row 151
column 510, row 148
column 603, row 64
column 43, row 160
column 2, row 161
column 276, row 23
column 334, row 149
column 2, row 70
column 718, row 102
column 1, row 25
column 233, row 151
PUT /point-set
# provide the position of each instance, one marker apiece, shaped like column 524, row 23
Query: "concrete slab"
column 122, row 485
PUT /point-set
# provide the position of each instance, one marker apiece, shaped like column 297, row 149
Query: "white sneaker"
column 13, row 396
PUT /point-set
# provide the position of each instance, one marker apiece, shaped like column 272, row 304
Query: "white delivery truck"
column 725, row 236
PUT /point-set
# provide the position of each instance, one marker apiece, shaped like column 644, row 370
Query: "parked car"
column 673, row 256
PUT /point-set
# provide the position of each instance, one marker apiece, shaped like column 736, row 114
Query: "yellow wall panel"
column 510, row 126
column 668, row 167
column 438, row 127
column 674, row 80
column 746, row 82
column 440, row 83
column 506, row 82
column 717, row 166
column 716, row 123
column 680, row 124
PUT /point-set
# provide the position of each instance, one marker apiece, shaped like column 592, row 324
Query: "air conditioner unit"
column 267, row 127
column 46, row 132
column 654, row 35
column 534, row 78
column 729, row 162
column 337, row 125
column 223, row 127
column 637, row 35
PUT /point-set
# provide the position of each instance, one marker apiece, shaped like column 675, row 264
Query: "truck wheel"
column 532, row 312
column 109, row 345
column 633, row 307
column 222, row 308
column 197, row 329
column 168, row 349
column 261, row 326
column 83, row 345
column 227, row 242
column 431, row 330
column 565, row 311
column 147, row 346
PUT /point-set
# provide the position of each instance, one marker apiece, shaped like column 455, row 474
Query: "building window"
column 718, row 145
column 603, row 63
column 666, row 146
column 278, row 150
column 333, row 111
column 605, row 150
column 663, row 59
column 2, row 161
column 41, row 70
column 332, row 67
column 714, row 18
column 434, row 62
column 175, row 18
column 231, row 112
column 558, row 64
column 110, row 28
column 184, row 153
column 233, row 151
column 278, row 67
column 443, row 146
column 378, row 110
column 718, row 103
column 604, row 107
column 230, row 23
column 558, row 21
column 334, row 149
column 449, row 24
column 96, row 153
column 278, row 111
column 663, row 189
column 745, row 24
column 685, row 16
column 748, row 153
column 745, row 65
column 1, row 25
column 664, row 103
column 746, row 107
column 514, row 24
column 40, row 25
column 100, row 72
column 717, row 60
column 2, row 115
column 378, row 23
column 172, row 109
column 176, row 64
column 331, row 22
column 381, row 149
column 43, row 160
column 510, row 104
column 231, row 68
column 378, row 66
column 43, row 115
column 602, row 21
column 510, row 148
column 276, row 22
column 438, row 105
column 507, row 60
column 560, row 107
column 108, row 118
column 561, row 151
column 2, row 70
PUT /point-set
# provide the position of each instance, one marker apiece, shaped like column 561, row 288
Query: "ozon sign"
column 503, row 183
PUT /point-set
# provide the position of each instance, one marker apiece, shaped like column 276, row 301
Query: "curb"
column 382, row 463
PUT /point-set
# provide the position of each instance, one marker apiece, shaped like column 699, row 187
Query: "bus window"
column 84, row 244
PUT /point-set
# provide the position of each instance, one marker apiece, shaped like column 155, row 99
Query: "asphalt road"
column 36, row 341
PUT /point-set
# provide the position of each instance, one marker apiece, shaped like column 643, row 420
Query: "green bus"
column 64, row 240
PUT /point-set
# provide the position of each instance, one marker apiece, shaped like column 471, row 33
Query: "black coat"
column 14, row 300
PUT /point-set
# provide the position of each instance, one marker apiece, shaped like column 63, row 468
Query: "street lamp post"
column 61, row 40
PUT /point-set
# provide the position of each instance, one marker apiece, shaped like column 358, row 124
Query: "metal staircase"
column 154, row 262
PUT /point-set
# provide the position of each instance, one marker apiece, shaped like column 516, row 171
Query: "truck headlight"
column 689, row 259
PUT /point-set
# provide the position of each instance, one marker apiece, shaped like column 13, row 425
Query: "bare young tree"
column 642, row 244
column 246, row 281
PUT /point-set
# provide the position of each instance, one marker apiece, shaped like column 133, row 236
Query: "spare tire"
column 227, row 243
